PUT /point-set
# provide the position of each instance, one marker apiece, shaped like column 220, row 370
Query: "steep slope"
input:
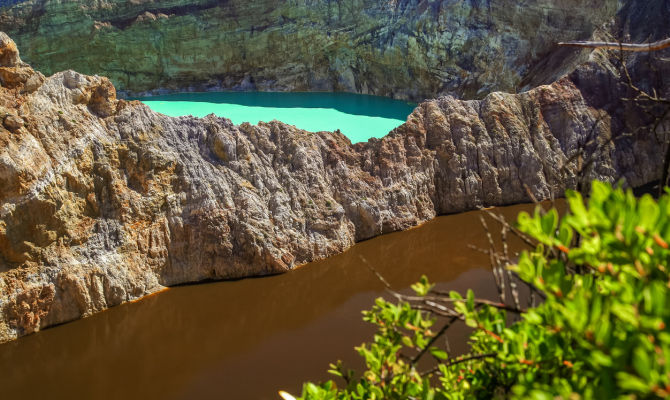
column 408, row 49
column 104, row 201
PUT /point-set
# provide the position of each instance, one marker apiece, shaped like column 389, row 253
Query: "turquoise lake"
column 359, row 117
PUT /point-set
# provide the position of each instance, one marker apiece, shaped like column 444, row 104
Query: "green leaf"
column 550, row 222
column 471, row 300
column 437, row 353
column 422, row 287
column 642, row 363
column 632, row 383
column 598, row 328
column 565, row 235
column 601, row 359
column 648, row 212
column 579, row 216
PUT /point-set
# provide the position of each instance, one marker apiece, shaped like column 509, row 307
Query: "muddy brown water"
column 245, row 339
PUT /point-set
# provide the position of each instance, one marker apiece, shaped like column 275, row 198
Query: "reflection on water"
column 359, row 117
column 243, row 339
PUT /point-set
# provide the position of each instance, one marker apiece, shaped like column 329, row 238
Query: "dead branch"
column 442, row 331
column 510, row 277
column 495, row 262
column 435, row 311
column 442, row 297
column 634, row 47
column 461, row 359
column 525, row 238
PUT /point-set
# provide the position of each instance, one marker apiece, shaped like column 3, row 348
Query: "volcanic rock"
column 406, row 49
column 103, row 201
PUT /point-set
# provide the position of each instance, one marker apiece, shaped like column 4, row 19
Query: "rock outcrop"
column 103, row 201
column 407, row 49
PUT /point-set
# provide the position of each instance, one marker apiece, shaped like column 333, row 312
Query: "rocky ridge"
column 103, row 201
column 406, row 49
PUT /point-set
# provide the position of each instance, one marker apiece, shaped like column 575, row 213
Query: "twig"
column 432, row 303
column 482, row 302
column 495, row 263
column 479, row 249
column 640, row 92
column 374, row 271
column 526, row 239
column 530, row 194
column 459, row 361
column 634, row 47
column 510, row 278
column 578, row 154
column 441, row 332
column 656, row 100
column 447, row 346
column 440, row 307
column 436, row 312
column 470, row 358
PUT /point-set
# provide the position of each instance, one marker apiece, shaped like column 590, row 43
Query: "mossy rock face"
column 403, row 49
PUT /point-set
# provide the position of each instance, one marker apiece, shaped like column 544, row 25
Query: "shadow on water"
column 245, row 339
column 349, row 103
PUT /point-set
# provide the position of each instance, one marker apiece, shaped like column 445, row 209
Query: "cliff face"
column 409, row 49
column 103, row 201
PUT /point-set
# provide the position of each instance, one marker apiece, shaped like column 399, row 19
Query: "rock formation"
column 407, row 49
column 103, row 201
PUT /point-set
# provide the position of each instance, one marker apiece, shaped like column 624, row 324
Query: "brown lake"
column 249, row 338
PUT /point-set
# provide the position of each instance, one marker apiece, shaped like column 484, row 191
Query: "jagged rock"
column 33, row 82
column 13, row 123
column 29, row 307
column 104, row 201
column 9, row 55
column 13, row 71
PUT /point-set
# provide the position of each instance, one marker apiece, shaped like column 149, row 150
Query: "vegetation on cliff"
column 403, row 49
column 600, row 330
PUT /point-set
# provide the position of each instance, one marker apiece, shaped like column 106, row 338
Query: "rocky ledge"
column 103, row 201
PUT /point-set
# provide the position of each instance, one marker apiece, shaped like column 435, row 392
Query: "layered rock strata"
column 407, row 49
column 103, row 201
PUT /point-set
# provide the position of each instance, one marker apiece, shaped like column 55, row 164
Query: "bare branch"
column 526, row 239
column 436, row 312
column 530, row 194
column 510, row 277
column 495, row 262
column 634, row 47
column 470, row 358
column 434, row 339
column 374, row 271
column 478, row 249
column 460, row 360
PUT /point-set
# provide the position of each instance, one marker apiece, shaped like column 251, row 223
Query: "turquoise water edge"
column 359, row 117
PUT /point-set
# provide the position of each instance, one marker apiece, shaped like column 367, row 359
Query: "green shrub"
column 600, row 332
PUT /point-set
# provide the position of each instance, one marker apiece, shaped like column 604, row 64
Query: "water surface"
column 359, row 117
column 244, row 339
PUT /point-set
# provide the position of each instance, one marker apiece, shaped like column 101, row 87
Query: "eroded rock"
column 104, row 201
column 13, row 122
column 406, row 49
column 9, row 53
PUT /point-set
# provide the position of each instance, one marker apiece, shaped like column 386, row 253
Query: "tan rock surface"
column 103, row 201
